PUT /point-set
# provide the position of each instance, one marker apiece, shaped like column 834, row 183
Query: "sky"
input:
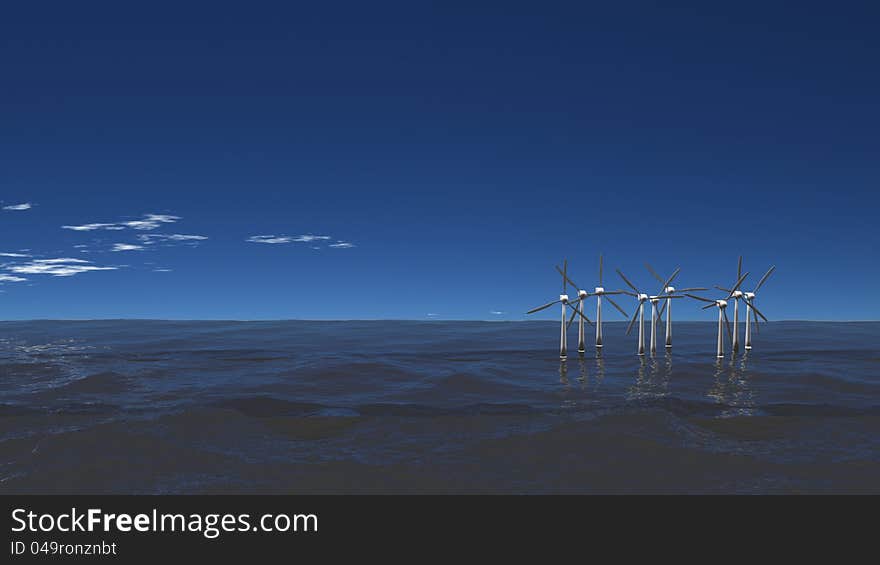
column 433, row 160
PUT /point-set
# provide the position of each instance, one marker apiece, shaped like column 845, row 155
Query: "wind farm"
column 665, row 295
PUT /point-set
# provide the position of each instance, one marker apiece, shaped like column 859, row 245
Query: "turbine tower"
column 578, row 310
column 563, row 299
column 667, row 305
column 640, row 312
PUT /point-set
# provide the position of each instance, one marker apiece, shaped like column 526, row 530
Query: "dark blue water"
column 400, row 407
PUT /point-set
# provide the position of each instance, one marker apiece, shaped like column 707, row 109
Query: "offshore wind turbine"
column 563, row 299
column 749, row 299
column 599, row 293
column 578, row 310
column 640, row 312
column 722, row 320
column 722, row 313
column 667, row 305
column 737, row 295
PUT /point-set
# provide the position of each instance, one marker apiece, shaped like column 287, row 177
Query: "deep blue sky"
column 462, row 149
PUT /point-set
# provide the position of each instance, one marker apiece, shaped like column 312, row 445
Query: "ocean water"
column 432, row 407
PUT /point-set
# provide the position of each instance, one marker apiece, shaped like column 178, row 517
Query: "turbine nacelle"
column 600, row 291
column 643, row 297
column 749, row 295
column 721, row 304
column 563, row 298
column 583, row 294
column 669, row 290
column 654, row 299
column 737, row 294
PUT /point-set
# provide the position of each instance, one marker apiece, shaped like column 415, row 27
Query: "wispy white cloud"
column 126, row 247
column 496, row 313
column 148, row 222
column 17, row 207
column 93, row 227
column 19, row 255
column 307, row 238
column 61, row 267
column 315, row 240
column 11, row 278
column 162, row 270
column 151, row 238
column 269, row 239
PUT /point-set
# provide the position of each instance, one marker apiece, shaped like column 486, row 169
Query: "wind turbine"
column 640, row 312
column 563, row 299
column 722, row 320
column 737, row 295
column 749, row 299
column 599, row 293
column 667, row 305
column 722, row 313
column 578, row 309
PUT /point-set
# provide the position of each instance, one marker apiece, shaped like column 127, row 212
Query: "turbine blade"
column 600, row 269
column 654, row 273
column 662, row 309
column 727, row 325
column 573, row 314
column 700, row 298
column 738, row 282
column 755, row 316
column 739, row 267
column 619, row 309
column 544, row 307
column 626, row 280
column 727, row 290
column 764, row 278
column 692, row 289
column 752, row 306
column 626, row 292
column 707, row 306
column 671, row 277
column 579, row 312
column 633, row 321
column 564, row 275
column 571, row 282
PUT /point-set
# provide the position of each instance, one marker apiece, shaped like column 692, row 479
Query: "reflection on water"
column 732, row 386
column 652, row 378
column 600, row 367
column 582, row 377
column 563, row 372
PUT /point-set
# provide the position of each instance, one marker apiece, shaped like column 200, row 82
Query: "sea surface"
column 433, row 407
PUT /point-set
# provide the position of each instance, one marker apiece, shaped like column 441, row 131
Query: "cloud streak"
column 151, row 238
column 147, row 223
column 305, row 238
column 61, row 267
column 126, row 247
column 18, row 207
